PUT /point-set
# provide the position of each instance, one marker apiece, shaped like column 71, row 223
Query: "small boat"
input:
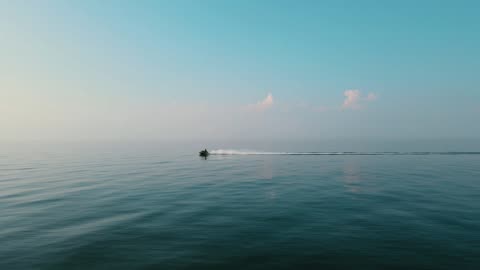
column 204, row 153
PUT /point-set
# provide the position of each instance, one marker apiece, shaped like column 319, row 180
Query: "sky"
column 195, row 70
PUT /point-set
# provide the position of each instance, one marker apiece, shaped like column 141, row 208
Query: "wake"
column 249, row 152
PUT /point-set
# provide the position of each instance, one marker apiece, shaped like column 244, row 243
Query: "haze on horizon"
column 160, row 70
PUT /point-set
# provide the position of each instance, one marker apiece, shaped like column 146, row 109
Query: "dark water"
column 165, row 208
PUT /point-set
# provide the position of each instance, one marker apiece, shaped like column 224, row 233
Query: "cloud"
column 371, row 97
column 263, row 105
column 354, row 100
column 267, row 102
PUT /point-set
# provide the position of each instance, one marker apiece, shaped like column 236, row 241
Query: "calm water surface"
column 165, row 208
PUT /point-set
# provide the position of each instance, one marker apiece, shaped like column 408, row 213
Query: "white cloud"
column 354, row 100
column 371, row 97
column 264, row 104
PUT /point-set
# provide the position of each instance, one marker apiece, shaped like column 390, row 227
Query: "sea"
column 246, row 206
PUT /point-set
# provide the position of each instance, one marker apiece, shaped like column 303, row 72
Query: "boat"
column 204, row 153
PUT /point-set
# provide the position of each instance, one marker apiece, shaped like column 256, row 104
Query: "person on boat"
column 204, row 153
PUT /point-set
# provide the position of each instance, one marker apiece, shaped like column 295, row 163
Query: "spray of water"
column 252, row 152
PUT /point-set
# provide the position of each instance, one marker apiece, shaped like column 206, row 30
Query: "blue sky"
column 159, row 69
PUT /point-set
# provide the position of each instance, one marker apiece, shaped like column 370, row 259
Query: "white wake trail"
column 244, row 152
column 252, row 152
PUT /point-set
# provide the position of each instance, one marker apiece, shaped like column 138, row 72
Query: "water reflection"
column 351, row 176
column 266, row 170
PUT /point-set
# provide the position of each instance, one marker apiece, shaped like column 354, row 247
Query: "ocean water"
column 163, row 207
